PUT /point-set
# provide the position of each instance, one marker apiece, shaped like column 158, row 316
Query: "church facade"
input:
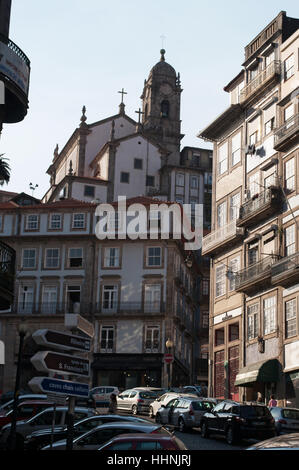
column 138, row 293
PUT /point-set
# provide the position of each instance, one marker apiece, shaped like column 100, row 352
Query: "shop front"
column 259, row 380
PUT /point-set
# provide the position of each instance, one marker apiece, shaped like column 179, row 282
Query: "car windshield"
column 254, row 411
column 149, row 394
column 290, row 414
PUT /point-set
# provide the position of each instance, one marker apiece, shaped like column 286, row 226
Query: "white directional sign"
column 45, row 361
column 75, row 321
column 59, row 340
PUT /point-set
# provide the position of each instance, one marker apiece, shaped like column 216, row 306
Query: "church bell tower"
column 161, row 103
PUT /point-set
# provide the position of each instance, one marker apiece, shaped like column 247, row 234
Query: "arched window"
column 165, row 108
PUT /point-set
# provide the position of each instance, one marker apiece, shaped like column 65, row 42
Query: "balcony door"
column 25, row 300
column 49, row 300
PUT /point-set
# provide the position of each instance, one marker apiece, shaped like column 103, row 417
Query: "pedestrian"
column 259, row 397
column 272, row 402
column 112, row 403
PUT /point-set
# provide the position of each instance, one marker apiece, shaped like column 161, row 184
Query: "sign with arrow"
column 59, row 387
column 58, row 340
column 47, row 361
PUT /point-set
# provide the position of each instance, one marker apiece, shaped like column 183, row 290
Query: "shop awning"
column 266, row 371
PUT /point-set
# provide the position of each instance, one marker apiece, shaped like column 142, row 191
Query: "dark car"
column 94, row 438
column 39, row 439
column 25, row 410
column 143, row 442
column 42, row 420
column 8, row 405
column 237, row 421
column 286, row 419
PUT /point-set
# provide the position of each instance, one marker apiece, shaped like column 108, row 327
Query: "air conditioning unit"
column 250, row 149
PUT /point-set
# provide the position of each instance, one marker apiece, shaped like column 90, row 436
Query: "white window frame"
column 152, row 297
column 290, row 318
column 32, row 222
column 194, row 182
column 234, row 267
column 154, row 257
column 252, row 321
column 70, row 256
column 289, row 67
column 152, row 339
column 269, row 125
column 234, row 208
column 55, row 224
column 223, row 158
column 29, row 266
column 80, row 222
column 112, row 260
column 269, row 315
column 222, row 214
column 180, row 179
column 49, row 307
column 290, row 240
column 25, row 305
column 110, row 301
column 220, row 281
column 289, row 179
column 236, row 149
column 53, row 266
column 104, row 338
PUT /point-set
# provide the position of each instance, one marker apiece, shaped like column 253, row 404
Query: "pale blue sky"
column 83, row 52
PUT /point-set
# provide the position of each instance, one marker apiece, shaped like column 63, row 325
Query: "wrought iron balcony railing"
column 286, row 270
column 285, row 135
column 7, row 271
column 249, row 277
column 220, row 236
column 48, row 308
column 267, row 200
column 263, row 77
column 11, row 45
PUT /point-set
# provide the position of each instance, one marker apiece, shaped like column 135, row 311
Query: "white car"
column 163, row 400
column 101, row 395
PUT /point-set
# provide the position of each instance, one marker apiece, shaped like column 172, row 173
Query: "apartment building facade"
column 137, row 293
column 254, row 320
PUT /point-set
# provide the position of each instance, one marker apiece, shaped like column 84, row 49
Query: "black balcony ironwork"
column 11, row 45
column 286, row 271
column 7, row 274
column 287, row 134
column 260, row 205
column 258, row 83
column 249, row 278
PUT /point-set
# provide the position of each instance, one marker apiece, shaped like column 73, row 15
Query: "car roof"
column 142, row 436
column 284, row 440
column 35, row 402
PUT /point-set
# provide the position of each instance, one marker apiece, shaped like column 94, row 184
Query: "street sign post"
column 58, row 340
column 45, row 361
column 74, row 321
column 168, row 358
column 59, row 387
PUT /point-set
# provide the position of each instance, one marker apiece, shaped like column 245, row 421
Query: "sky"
column 84, row 52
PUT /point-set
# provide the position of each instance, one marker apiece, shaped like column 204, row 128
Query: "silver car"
column 136, row 400
column 284, row 442
column 164, row 400
column 184, row 412
column 42, row 420
column 286, row 419
column 92, row 439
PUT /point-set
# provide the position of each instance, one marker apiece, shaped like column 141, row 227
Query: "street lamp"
column 169, row 345
column 22, row 329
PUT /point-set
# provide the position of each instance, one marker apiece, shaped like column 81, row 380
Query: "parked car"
column 8, row 396
column 101, row 395
column 42, row 420
column 92, row 439
column 28, row 396
column 143, row 442
column 164, row 400
column 184, row 411
column 237, row 421
column 25, row 410
column 283, row 442
column 39, row 439
column 136, row 400
column 286, row 419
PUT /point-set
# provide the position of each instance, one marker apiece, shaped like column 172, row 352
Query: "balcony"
column 255, row 276
column 286, row 271
column 7, row 271
column 259, row 83
column 287, row 135
column 86, row 308
column 260, row 207
column 221, row 238
column 14, row 72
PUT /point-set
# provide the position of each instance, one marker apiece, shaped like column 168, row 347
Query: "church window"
column 150, row 180
column 89, row 191
column 145, row 111
column 138, row 163
column 124, row 177
column 165, row 108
